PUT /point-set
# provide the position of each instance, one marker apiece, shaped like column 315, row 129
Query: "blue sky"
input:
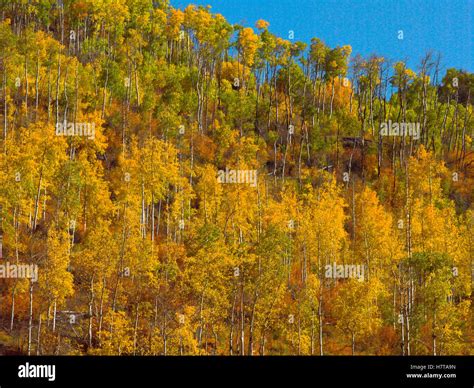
column 369, row 26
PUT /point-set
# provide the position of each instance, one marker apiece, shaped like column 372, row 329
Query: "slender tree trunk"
column 232, row 320
column 38, row 338
column 30, row 319
column 12, row 313
column 101, row 308
column 54, row 315
column 135, row 329
column 91, row 315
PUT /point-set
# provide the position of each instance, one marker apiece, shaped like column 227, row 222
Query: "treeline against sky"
column 174, row 184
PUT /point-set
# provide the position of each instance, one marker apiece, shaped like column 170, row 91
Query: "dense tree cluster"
column 141, row 250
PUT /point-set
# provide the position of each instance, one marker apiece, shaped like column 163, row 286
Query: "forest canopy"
column 183, row 185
